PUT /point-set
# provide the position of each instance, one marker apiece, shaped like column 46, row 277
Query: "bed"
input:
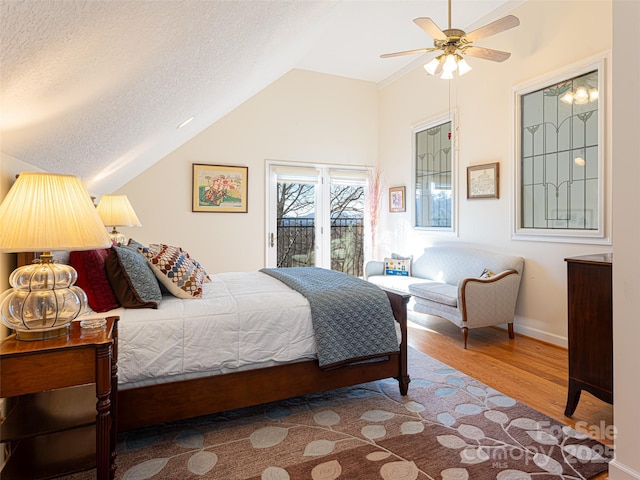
column 247, row 341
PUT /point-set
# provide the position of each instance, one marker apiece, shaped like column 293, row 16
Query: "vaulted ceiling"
column 97, row 88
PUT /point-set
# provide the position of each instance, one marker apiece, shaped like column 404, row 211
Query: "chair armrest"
column 373, row 267
column 489, row 301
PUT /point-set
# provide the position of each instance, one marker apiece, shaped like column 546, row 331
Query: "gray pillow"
column 132, row 279
column 135, row 245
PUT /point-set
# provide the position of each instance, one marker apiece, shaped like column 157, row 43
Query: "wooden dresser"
column 590, row 328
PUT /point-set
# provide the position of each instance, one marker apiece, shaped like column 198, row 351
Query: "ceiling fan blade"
column 430, row 28
column 504, row 23
column 407, row 52
column 486, row 54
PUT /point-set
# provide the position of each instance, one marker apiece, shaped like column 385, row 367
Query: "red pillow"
column 92, row 278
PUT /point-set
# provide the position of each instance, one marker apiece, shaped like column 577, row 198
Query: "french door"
column 316, row 216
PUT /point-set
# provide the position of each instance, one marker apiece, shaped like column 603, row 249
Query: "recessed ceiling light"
column 186, row 122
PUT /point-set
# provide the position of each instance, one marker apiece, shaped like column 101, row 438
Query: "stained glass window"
column 433, row 176
column 561, row 162
column 560, row 155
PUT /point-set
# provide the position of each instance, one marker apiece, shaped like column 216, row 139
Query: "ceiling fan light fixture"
column 581, row 96
column 432, row 66
column 463, row 67
column 446, row 75
column 453, row 42
column 567, row 98
column 450, row 64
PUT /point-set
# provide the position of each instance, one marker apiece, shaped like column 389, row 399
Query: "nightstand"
column 61, row 403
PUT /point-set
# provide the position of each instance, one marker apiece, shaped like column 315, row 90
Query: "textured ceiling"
column 97, row 88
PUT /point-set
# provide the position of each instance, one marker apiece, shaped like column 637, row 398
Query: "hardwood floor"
column 528, row 370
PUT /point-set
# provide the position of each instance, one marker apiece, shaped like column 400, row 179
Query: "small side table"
column 61, row 394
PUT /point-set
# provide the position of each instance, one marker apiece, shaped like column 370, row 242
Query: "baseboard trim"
column 618, row 471
column 541, row 335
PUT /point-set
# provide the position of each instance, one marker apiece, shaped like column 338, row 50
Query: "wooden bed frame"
column 165, row 402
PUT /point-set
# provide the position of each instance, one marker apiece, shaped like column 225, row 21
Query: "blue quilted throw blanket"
column 352, row 318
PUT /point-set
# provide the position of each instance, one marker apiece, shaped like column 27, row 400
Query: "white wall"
column 303, row 116
column 545, row 41
column 9, row 168
column 626, row 218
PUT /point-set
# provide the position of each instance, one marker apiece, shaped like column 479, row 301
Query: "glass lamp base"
column 43, row 300
column 117, row 238
column 33, row 335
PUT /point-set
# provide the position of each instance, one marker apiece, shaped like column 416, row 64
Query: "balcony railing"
column 296, row 244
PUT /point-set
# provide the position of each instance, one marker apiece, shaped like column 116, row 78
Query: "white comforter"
column 243, row 319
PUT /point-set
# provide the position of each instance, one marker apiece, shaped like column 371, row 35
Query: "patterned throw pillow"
column 177, row 272
column 132, row 279
column 207, row 279
column 92, row 278
column 394, row 266
column 486, row 273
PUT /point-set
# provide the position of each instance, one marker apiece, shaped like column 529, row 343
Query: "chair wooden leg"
column 465, row 335
column 512, row 335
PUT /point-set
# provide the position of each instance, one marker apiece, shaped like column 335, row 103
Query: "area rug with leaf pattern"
column 448, row 427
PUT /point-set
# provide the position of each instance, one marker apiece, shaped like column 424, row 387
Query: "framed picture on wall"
column 220, row 188
column 483, row 181
column 397, row 199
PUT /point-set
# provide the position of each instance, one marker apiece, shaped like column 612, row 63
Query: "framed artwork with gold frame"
column 220, row 188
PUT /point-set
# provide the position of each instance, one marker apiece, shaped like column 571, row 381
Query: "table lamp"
column 116, row 211
column 44, row 212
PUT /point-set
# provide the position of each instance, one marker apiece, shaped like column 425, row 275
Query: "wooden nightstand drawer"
column 23, row 374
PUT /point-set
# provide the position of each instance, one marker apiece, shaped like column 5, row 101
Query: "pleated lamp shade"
column 44, row 212
column 116, row 211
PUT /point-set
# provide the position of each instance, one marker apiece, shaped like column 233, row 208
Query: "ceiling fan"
column 455, row 43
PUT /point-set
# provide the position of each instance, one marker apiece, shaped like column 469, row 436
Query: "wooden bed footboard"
column 154, row 404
